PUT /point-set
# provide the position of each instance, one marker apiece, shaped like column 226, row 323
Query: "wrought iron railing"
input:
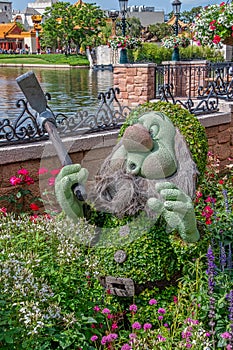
column 25, row 128
column 197, row 87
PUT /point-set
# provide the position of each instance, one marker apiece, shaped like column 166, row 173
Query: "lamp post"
column 123, row 9
column 113, row 14
column 176, row 5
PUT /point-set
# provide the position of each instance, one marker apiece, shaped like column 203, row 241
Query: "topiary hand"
column 69, row 176
column 177, row 209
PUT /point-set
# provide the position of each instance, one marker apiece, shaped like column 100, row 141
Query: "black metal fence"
column 25, row 128
column 197, row 86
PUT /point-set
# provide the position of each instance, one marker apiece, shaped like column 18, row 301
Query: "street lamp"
column 113, row 14
column 176, row 5
column 123, row 4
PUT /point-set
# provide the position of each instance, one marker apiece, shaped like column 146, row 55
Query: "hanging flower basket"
column 214, row 25
column 120, row 42
column 172, row 42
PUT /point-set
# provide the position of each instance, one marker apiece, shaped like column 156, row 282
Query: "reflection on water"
column 71, row 89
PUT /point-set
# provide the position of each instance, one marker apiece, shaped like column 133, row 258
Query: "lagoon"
column 71, row 89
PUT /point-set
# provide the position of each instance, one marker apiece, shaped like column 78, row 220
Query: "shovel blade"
column 32, row 90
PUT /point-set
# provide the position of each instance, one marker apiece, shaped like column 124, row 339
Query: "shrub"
column 152, row 52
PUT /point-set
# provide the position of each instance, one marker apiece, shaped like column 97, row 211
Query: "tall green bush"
column 153, row 52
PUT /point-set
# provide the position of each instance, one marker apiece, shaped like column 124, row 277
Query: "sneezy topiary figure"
column 147, row 183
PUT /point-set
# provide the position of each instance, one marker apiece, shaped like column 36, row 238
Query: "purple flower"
column 147, row 326
column 106, row 311
column 160, row 317
column 133, row 308
column 94, row 338
column 136, row 325
column 132, row 336
column 153, row 302
column 104, row 340
column 226, row 335
column 161, row 338
column 126, row 347
column 161, row 310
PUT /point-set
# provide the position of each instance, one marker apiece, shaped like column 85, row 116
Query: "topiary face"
column 148, row 148
column 187, row 123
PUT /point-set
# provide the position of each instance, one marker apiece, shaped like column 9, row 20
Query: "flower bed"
column 50, row 297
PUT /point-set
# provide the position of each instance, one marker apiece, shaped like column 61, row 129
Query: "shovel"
column 35, row 96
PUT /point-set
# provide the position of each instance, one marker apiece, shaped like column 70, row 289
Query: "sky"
column 114, row 4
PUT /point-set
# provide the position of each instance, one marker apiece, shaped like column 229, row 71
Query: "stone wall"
column 136, row 83
column 219, row 131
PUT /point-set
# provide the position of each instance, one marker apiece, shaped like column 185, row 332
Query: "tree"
column 189, row 16
column 65, row 25
column 160, row 30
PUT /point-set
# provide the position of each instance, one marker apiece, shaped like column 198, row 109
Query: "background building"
column 5, row 11
column 147, row 15
column 40, row 5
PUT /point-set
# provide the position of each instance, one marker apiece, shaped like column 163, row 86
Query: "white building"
column 147, row 15
column 40, row 5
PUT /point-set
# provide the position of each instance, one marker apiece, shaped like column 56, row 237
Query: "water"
column 72, row 90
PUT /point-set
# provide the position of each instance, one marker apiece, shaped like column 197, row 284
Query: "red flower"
column 34, row 207
column 34, row 217
column 222, row 3
column 23, row 171
column 29, row 180
column 221, row 182
column 208, row 222
column 15, row 180
column 216, row 39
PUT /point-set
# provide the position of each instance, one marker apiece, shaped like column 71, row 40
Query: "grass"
column 71, row 60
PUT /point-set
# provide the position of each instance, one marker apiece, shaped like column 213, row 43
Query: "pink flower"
column 15, row 180
column 153, row 302
column 29, row 180
column 175, row 299
column 161, row 338
column 94, row 338
column 51, row 181
column 54, row 172
column 106, row 311
column 23, row 171
column 133, row 308
column 4, row 211
column 96, row 308
column 160, row 317
column 126, row 347
column 114, row 326
column 136, row 325
column 147, row 326
column 42, row 171
column 226, row 335
column 132, row 336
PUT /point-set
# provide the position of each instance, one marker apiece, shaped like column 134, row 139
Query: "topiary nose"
column 137, row 139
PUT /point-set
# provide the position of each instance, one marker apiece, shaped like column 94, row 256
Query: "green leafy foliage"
column 151, row 52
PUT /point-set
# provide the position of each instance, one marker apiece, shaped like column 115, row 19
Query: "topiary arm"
column 177, row 209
